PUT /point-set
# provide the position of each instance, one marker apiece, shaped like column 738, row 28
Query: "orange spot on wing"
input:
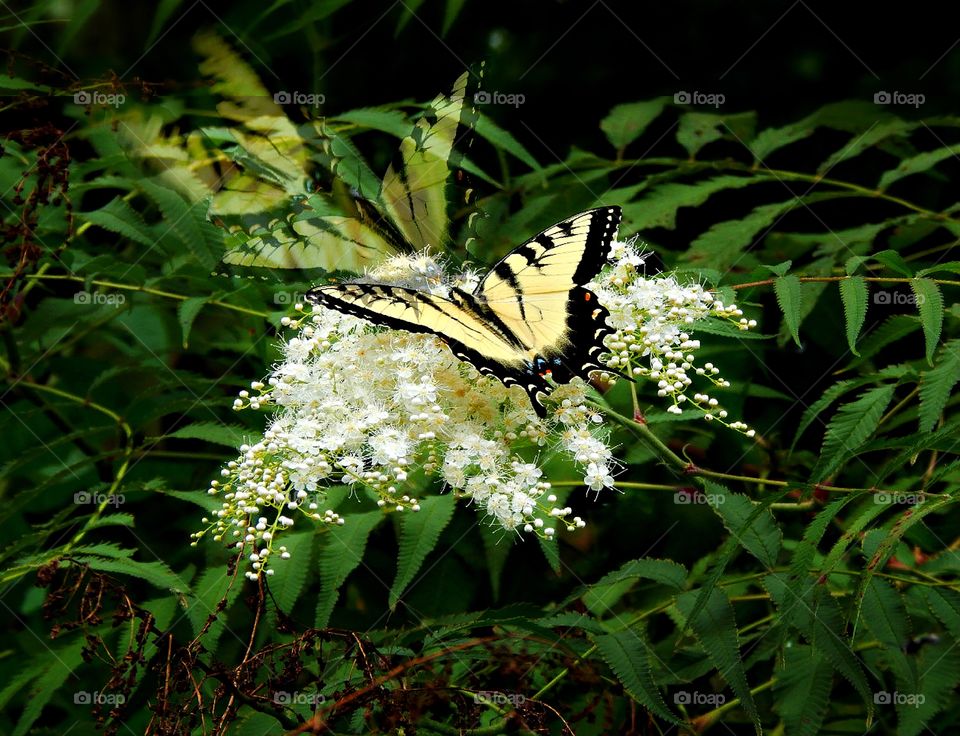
column 587, row 296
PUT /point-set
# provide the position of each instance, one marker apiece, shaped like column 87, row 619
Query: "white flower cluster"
column 653, row 318
column 376, row 410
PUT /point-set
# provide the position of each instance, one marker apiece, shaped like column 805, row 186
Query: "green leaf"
column 936, row 385
column 853, row 295
column 628, row 654
column 214, row 591
column 551, row 552
column 886, row 617
column 801, row 564
column 852, row 425
column 500, row 138
column 789, row 297
column 290, row 576
column 58, row 665
column 659, row 207
column 818, row 617
column 698, row 129
column 716, row 629
column 419, row 534
column 119, row 217
column 945, row 605
column 721, row 245
column 907, row 520
column 917, row 164
column 758, row 534
column 187, row 312
column 930, row 306
column 939, row 668
column 229, row 435
column 828, row 397
column 342, row 552
column 393, row 122
column 496, row 547
column 156, row 572
column 187, row 221
column 601, row 596
column 894, row 328
column 802, row 688
column 627, row 122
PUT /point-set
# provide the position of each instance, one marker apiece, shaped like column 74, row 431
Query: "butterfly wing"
column 537, row 292
column 459, row 321
column 414, row 191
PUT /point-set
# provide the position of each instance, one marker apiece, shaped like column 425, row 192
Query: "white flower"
column 377, row 410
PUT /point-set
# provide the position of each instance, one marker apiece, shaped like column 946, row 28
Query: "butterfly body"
column 530, row 321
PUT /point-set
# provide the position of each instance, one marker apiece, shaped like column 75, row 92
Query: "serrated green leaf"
column 290, row 576
column 340, row 555
column 213, row 592
column 503, row 139
column 155, row 572
column 628, row 654
column 187, row 221
column 802, row 688
column 789, row 297
column 758, row 534
column 803, row 554
column 716, row 628
column 885, row 615
column 930, row 306
column 894, row 328
column 419, row 534
column 945, row 605
column 119, row 217
column 904, row 522
column 625, row 123
column 818, row 618
column 853, row 296
column 229, row 435
column 917, row 164
column 601, row 596
column 936, row 385
column 815, row 409
column 852, row 425
column 939, row 667
column 57, row 667
column 659, row 208
column 698, row 129
column 187, row 312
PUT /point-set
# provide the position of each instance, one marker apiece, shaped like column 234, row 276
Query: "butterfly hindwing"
column 530, row 318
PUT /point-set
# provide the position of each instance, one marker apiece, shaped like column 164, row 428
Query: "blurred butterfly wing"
column 537, row 291
column 414, row 190
column 331, row 243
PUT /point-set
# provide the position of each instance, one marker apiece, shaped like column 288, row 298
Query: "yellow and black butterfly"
column 530, row 321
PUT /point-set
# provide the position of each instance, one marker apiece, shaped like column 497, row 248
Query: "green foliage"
column 794, row 577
